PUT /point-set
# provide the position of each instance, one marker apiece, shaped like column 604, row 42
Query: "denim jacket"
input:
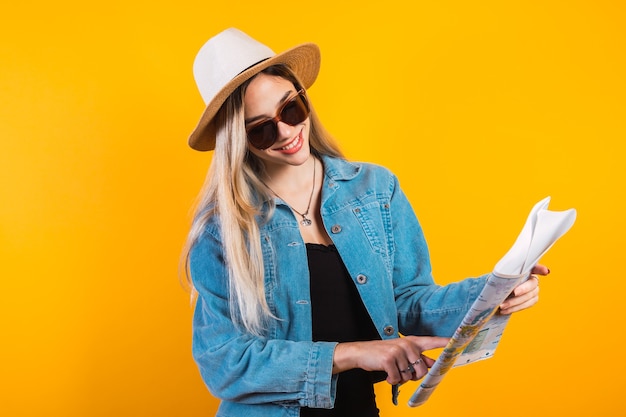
column 374, row 229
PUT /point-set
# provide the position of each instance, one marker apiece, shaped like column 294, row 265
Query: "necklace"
column 305, row 220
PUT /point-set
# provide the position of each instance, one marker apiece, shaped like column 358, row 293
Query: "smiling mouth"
column 295, row 142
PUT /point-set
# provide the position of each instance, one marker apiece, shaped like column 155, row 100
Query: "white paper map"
column 478, row 334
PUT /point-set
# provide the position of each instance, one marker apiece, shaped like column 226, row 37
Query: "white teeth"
column 291, row 145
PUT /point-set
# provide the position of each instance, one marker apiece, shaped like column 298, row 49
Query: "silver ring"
column 409, row 369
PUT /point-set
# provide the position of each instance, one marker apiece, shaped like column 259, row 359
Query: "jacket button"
column 389, row 330
column 361, row 279
column 335, row 229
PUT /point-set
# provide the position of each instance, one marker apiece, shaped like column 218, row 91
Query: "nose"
column 285, row 130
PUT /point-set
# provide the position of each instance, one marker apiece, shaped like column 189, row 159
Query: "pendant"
column 305, row 221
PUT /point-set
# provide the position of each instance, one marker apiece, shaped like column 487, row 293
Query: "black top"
column 340, row 316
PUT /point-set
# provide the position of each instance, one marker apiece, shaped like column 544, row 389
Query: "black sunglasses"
column 294, row 111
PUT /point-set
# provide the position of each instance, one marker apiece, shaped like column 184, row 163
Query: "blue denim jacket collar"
column 335, row 170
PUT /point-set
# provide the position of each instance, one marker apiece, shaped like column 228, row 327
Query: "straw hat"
column 230, row 58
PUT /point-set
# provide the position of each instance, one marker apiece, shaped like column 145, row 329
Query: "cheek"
column 257, row 152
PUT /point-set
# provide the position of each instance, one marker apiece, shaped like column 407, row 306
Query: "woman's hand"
column 401, row 359
column 526, row 294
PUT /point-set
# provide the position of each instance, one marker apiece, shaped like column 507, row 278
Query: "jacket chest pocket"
column 375, row 220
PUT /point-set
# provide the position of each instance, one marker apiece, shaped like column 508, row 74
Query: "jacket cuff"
column 321, row 385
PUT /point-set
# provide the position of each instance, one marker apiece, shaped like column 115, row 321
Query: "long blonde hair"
column 234, row 192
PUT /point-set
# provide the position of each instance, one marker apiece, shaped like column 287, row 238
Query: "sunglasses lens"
column 295, row 111
column 264, row 135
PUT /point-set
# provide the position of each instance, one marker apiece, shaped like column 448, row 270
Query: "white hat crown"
column 223, row 57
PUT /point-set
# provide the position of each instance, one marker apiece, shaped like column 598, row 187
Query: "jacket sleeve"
column 424, row 308
column 237, row 366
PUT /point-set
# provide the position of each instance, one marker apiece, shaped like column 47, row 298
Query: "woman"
column 307, row 267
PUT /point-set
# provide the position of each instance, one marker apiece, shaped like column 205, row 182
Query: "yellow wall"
column 482, row 108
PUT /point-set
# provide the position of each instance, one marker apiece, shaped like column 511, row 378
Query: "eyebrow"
column 280, row 103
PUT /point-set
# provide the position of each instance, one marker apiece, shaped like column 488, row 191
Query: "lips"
column 293, row 146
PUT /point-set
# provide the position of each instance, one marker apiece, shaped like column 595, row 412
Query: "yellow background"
column 482, row 109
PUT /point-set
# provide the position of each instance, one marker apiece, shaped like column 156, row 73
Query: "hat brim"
column 303, row 60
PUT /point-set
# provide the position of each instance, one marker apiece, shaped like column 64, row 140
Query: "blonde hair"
column 234, row 192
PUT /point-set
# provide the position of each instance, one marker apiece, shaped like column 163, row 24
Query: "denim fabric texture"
column 382, row 245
